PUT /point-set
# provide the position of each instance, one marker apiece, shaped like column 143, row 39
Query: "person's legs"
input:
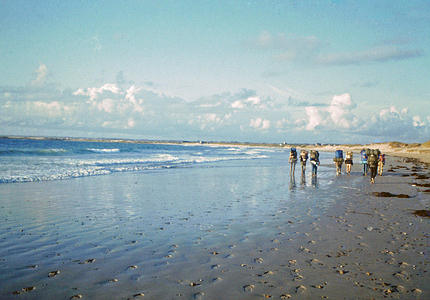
column 372, row 174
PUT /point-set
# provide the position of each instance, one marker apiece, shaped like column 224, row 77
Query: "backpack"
column 293, row 152
column 349, row 155
column 304, row 154
column 368, row 152
column 338, row 154
column 315, row 155
column 372, row 158
column 363, row 155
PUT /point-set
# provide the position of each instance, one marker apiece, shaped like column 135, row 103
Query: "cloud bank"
column 143, row 111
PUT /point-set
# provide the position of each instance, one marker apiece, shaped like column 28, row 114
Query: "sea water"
column 170, row 210
column 24, row 160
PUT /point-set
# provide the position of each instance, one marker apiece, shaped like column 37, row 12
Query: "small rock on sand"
column 25, row 290
column 285, row 296
column 399, row 288
column 248, row 288
column 88, row 261
column 199, row 295
column 258, row 260
column 300, row 289
column 77, row 296
column 402, row 275
column 54, row 273
column 138, row 295
column 417, row 291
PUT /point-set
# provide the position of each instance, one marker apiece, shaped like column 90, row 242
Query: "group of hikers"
column 304, row 155
column 371, row 159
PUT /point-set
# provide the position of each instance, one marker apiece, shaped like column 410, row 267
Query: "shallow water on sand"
column 152, row 232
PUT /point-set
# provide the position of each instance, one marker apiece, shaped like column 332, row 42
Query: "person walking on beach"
column 338, row 161
column 372, row 161
column 348, row 162
column 315, row 161
column 381, row 163
column 293, row 160
column 303, row 160
column 364, row 161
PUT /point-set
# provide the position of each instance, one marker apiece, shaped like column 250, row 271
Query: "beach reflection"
column 303, row 179
column 292, row 181
column 314, row 181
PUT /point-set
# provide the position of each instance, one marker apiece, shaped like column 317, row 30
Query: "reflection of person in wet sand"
column 314, row 181
column 292, row 181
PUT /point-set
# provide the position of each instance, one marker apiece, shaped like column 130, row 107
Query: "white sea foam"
column 103, row 150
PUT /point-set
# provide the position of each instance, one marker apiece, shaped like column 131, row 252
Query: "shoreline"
column 419, row 151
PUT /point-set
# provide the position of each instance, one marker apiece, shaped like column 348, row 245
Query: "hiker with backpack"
column 348, row 162
column 338, row 160
column 381, row 163
column 372, row 161
column 293, row 160
column 303, row 160
column 315, row 161
column 364, row 161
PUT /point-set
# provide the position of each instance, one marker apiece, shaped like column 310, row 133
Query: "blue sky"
column 266, row 71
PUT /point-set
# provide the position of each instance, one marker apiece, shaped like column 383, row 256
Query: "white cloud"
column 337, row 115
column 339, row 110
column 95, row 92
column 417, row 122
column 106, row 105
column 41, row 72
column 238, row 104
column 315, row 117
column 254, row 100
column 53, row 109
column 260, row 123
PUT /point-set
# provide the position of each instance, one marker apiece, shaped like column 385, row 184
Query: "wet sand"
column 227, row 231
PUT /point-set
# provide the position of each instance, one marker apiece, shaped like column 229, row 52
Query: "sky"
column 250, row 71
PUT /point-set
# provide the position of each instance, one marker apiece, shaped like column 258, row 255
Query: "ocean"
column 26, row 160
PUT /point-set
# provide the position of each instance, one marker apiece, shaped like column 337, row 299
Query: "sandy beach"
column 231, row 230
